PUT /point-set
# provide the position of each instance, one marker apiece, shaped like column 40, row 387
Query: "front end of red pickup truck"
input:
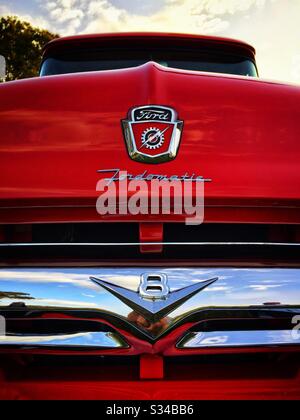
column 98, row 301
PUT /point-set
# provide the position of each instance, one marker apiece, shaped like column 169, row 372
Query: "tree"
column 22, row 45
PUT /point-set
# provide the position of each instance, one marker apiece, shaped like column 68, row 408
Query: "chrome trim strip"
column 59, row 244
column 197, row 340
column 86, row 340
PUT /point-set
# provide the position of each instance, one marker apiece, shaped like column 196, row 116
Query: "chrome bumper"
column 63, row 308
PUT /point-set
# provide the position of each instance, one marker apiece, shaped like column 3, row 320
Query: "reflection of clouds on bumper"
column 97, row 339
column 2, row 326
column 2, row 67
column 239, row 339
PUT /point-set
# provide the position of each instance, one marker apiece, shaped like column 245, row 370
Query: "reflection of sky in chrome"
column 94, row 339
column 241, row 338
column 72, row 287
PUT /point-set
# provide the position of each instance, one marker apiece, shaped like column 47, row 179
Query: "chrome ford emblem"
column 152, row 134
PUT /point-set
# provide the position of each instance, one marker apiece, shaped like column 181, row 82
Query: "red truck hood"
column 56, row 132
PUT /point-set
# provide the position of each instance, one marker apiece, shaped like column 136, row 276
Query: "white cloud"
column 221, row 7
column 262, row 287
column 4, row 10
column 178, row 16
column 67, row 16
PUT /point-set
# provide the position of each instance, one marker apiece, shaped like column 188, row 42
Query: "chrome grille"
column 245, row 307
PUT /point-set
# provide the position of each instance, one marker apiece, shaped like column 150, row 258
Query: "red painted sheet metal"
column 76, row 389
column 151, row 232
column 58, row 131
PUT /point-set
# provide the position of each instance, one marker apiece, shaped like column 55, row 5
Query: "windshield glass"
column 186, row 60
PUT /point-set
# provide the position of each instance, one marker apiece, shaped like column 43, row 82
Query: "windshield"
column 87, row 61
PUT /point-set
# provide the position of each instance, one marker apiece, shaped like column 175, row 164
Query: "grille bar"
column 217, row 339
column 274, row 253
column 123, row 244
column 86, row 340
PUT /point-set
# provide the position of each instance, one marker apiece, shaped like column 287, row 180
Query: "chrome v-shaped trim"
column 153, row 310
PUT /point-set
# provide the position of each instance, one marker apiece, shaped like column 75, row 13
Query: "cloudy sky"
column 272, row 26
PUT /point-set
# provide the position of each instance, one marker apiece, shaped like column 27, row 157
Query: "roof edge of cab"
column 79, row 40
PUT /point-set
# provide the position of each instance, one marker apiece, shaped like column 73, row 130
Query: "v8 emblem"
column 153, row 299
column 154, row 286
